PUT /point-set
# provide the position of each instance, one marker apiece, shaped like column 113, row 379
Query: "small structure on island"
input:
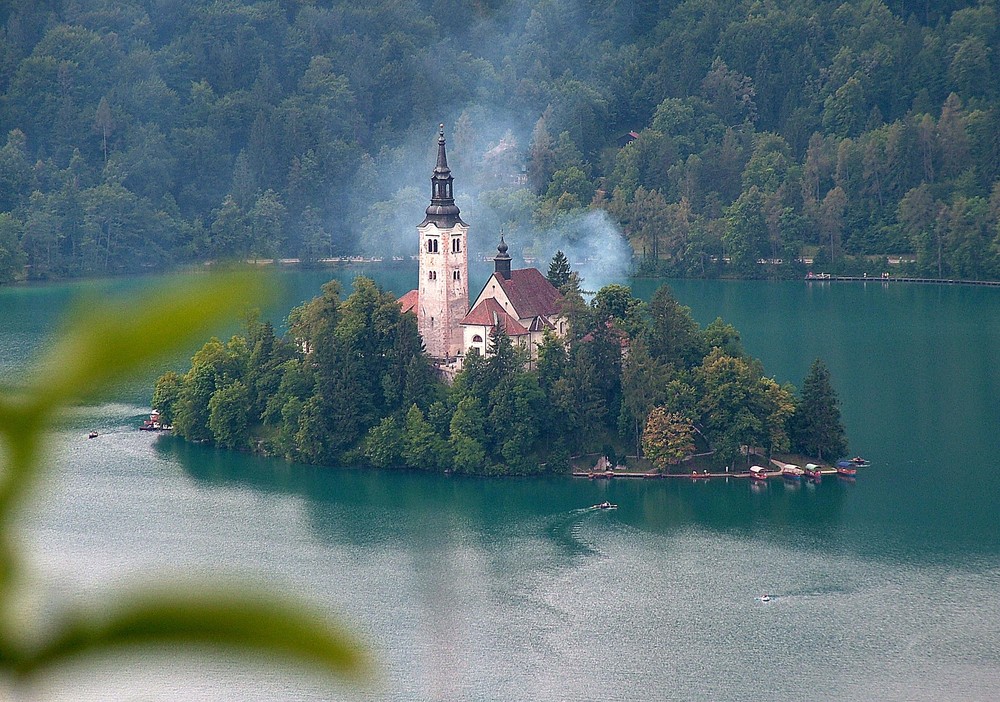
column 522, row 302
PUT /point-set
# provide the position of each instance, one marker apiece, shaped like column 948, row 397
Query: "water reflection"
column 362, row 506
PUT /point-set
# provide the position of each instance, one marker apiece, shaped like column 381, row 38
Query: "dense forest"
column 350, row 384
column 721, row 137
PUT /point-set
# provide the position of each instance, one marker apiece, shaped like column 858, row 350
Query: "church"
column 521, row 302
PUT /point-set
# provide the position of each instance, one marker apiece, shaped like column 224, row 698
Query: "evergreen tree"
column 228, row 417
column 817, row 429
column 423, row 448
column 468, row 435
column 559, row 270
column 674, row 337
column 383, row 446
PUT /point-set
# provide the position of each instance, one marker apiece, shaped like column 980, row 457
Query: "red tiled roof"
column 409, row 301
column 489, row 313
column 530, row 293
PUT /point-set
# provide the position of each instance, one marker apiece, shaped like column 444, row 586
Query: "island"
column 638, row 382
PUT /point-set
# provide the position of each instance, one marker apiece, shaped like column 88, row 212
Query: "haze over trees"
column 136, row 135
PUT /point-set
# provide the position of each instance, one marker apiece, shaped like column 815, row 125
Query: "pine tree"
column 817, row 429
column 559, row 271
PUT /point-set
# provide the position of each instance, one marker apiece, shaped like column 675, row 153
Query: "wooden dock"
column 616, row 474
column 825, row 470
column 608, row 475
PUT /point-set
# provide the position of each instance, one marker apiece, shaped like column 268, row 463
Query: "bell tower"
column 444, row 266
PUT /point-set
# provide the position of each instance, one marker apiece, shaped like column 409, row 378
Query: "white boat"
column 791, row 472
column 605, row 505
column 758, row 472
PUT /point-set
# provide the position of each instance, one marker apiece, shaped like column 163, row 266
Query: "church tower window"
column 432, row 246
column 456, row 275
column 456, row 245
column 432, row 275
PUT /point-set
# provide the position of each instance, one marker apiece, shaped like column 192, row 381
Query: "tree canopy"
column 738, row 137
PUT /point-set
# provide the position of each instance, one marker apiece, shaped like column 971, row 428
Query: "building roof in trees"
column 409, row 301
column 489, row 313
column 530, row 294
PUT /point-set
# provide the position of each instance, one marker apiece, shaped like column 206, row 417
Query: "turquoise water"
column 886, row 588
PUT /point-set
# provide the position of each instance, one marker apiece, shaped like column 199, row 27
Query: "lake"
column 886, row 588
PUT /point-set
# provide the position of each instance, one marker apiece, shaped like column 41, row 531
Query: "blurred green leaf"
column 113, row 339
column 100, row 346
column 224, row 618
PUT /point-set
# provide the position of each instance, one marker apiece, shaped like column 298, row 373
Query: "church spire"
column 442, row 211
column 501, row 262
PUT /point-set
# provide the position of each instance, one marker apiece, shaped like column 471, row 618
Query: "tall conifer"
column 817, row 429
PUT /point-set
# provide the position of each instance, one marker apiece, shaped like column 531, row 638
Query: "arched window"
column 432, row 246
column 456, row 275
column 477, row 339
column 432, row 275
column 456, row 245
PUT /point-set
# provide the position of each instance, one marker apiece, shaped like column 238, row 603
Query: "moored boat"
column 758, row 472
column 848, row 468
column 154, row 423
column 791, row 472
column 813, row 471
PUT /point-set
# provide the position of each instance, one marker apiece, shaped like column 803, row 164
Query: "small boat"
column 813, row 471
column 92, row 435
column 848, row 468
column 765, row 598
column 758, row 472
column 790, row 472
column 860, row 462
column 605, row 505
column 154, row 423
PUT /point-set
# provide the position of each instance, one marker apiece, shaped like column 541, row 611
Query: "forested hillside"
column 144, row 133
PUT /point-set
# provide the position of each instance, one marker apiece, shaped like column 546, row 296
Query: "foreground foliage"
column 102, row 344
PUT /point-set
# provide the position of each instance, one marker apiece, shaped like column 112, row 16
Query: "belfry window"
column 456, row 245
column 432, row 246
